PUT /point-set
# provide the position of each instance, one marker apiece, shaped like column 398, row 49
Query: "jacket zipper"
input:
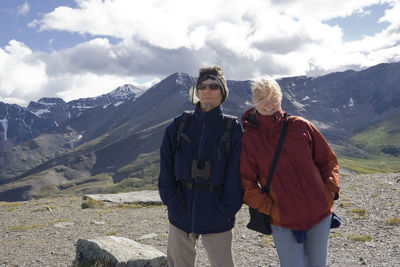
column 198, row 156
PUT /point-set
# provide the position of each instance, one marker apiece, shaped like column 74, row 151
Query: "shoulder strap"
column 277, row 153
column 226, row 137
column 185, row 120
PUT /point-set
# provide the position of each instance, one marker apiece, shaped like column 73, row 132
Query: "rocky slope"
column 366, row 203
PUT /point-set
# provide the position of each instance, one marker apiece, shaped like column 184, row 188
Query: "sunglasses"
column 212, row 86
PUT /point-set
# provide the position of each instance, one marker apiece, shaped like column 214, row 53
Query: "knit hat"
column 213, row 73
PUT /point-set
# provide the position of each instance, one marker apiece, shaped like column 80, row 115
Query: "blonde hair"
column 266, row 89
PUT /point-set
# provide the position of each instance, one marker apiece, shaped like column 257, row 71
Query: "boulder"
column 117, row 251
column 145, row 196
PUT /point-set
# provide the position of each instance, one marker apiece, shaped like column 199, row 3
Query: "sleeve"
column 232, row 197
column 325, row 160
column 253, row 195
column 166, row 179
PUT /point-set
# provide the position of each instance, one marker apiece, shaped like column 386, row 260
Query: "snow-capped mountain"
column 19, row 124
column 52, row 109
column 114, row 134
column 115, row 97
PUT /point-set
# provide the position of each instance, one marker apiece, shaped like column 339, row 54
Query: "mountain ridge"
column 104, row 139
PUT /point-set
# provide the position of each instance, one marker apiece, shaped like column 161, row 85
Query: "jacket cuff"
column 332, row 187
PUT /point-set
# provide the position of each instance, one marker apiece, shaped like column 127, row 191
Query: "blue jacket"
column 206, row 212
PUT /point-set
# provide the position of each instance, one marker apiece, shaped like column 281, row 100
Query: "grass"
column 128, row 206
column 362, row 213
column 84, row 185
column 45, row 208
column 9, row 204
column 359, row 211
column 381, row 138
column 372, row 150
column 92, row 203
column 358, row 237
column 395, row 221
column 142, row 174
column 58, row 221
column 377, row 164
column 111, row 233
column 345, row 204
column 23, row 227
column 267, row 240
column 334, row 234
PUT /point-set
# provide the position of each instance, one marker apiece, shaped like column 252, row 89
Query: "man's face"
column 209, row 93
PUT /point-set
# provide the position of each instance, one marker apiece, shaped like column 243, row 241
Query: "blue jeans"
column 311, row 253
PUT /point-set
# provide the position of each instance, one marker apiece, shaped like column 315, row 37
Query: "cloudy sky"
column 82, row 48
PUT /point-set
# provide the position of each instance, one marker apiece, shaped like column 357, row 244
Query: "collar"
column 209, row 115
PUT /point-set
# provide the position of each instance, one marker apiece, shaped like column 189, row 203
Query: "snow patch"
column 40, row 112
column 83, row 107
column 351, row 102
column 47, row 104
column 4, row 124
column 118, row 103
column 79, row 137
column 321, row 125
column 305, row 98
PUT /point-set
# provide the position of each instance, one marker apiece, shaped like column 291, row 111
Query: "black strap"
column 201, row 187
column 226, row 137
column 186, row 116
column 277, row 153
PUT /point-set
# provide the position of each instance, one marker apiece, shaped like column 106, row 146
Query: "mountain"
column 343, row 102
column 30, row 136
column 20, row 124
column 112, row 144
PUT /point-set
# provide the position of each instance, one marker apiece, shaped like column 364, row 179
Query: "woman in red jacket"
column 305, row 182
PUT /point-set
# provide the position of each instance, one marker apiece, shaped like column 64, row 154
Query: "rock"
column 146, row 196
column 117, row 251
column 63, row 225
column 97, row 223
column 148, row 236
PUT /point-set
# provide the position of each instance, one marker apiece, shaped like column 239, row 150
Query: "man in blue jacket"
column 199, row 175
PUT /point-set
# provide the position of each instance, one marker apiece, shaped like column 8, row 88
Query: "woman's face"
column 266, row 106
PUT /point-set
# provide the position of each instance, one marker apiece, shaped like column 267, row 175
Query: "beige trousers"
column 181, row 250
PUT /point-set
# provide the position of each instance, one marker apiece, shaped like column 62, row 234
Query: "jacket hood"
column 252, row 119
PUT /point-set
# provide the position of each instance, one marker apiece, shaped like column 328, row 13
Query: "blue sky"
column 82, row 48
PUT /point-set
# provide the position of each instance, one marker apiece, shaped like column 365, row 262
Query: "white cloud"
column 24, row 9
column 156, row 38
column 86, row 85
column 323, row 9
column 27, row 75
column 20, row 75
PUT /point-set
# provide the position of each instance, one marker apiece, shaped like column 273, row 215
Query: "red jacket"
column 307, row 172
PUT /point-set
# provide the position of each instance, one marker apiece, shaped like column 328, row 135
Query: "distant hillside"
column 382, row 137
column 113, row 145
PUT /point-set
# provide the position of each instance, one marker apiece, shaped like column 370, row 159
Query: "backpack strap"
column 186, row 116
column 226, row 138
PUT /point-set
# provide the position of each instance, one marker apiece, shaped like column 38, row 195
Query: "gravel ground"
column 44, row 232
